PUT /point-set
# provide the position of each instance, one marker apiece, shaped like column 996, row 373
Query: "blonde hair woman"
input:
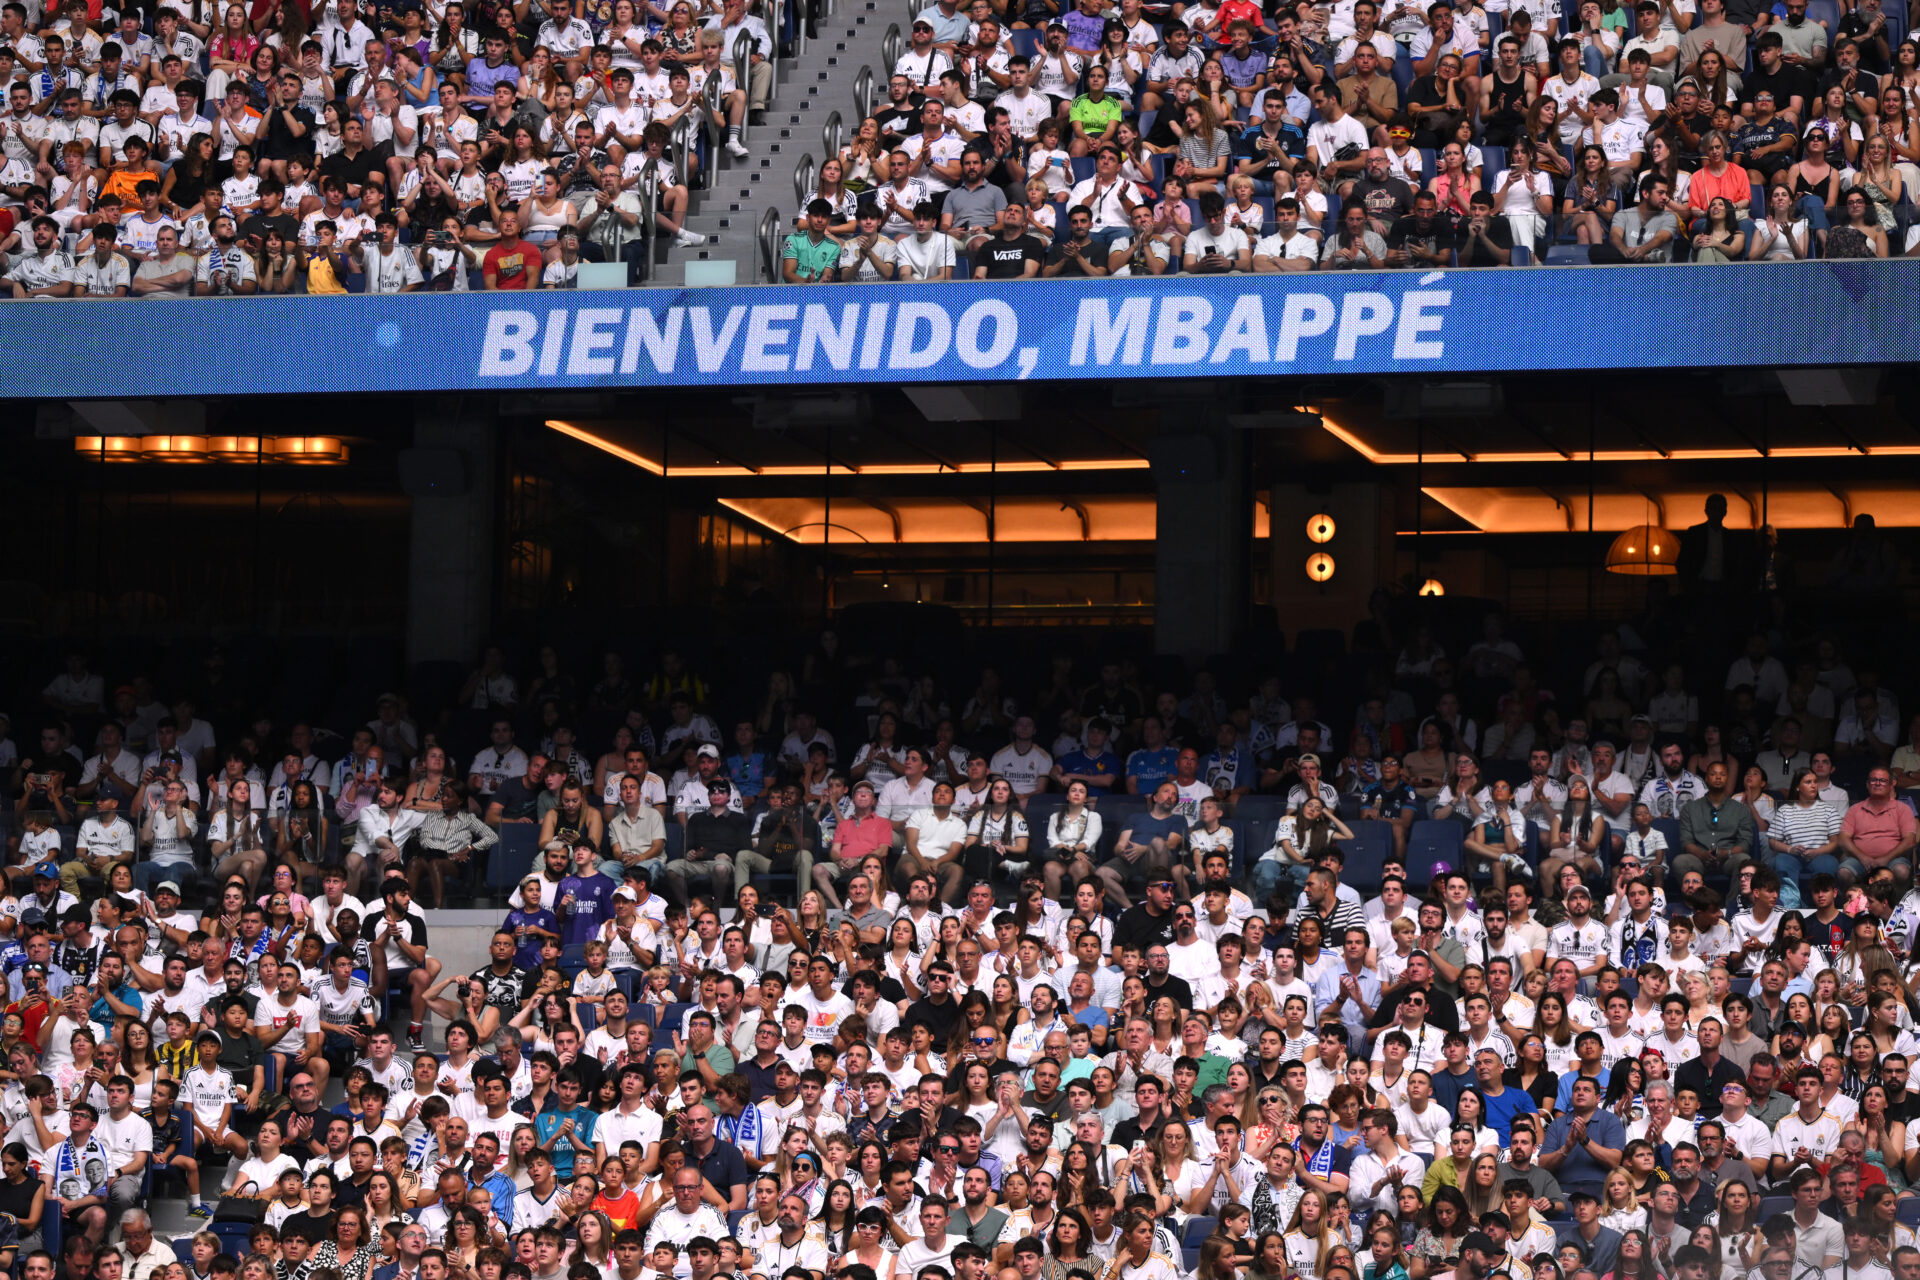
column 1309, row 1238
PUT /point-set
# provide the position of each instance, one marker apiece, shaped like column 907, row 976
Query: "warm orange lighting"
column 1353, row 441
column 233, row 448
column 108, row 448
column 173, row 448
column 1320, row 566
column 1645, row 551
column 1320, row 528
column 625, row 454
column 1433, row 587
column 316, row 449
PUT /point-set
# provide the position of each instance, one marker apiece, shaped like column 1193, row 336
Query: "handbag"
column 245, row 1209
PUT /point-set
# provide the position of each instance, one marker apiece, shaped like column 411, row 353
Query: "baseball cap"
column 1308, row 757
column 707, row 751
column 167, row 886
column 1480, row 1241
column 1574, row 1197
column 628, row 894
column 47, row 871
column 1582, row 890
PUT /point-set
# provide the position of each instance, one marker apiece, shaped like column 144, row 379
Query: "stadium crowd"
column 981, row 983
column 1087, row 139
column 221, row 149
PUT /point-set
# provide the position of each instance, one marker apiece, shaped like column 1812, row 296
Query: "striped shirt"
column 1808, row 826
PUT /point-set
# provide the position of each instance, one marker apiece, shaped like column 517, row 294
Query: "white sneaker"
column 690, row 239
column 736, row 148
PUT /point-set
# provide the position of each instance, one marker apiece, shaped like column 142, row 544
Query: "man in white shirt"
column 1286, row 247
column 1217, row 248
column 1022, row 762
column 1378, row 1173
column 128, row 1142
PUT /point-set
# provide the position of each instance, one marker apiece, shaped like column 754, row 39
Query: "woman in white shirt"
column 1523, row 194
column 259, row 1177
column 1073, row 833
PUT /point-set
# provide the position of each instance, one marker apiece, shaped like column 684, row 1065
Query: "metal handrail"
column 714, row 122
column 864, row 92
column 778, row 27
column 803, row 175
column 892, row 45
column 770, row 235
column 743, row 78
column 649, row 216
column 683, row 151
column 832, row 135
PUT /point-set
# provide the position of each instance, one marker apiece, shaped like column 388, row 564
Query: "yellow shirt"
column 321, row 277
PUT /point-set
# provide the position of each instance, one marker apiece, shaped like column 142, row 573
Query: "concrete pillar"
column 1203, row 530
column 451, row 553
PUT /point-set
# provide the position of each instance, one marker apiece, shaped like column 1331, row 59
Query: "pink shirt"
column 1878, row 832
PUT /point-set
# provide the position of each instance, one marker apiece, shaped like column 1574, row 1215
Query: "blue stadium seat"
column 510, row 860
column 1908, row 1212
column 1670, row 828
column 183, row 1249
column 669, row 1024
column 1082, row 168
column 1198, row 1229
column 1026, row 42
column 1367, row 854
column 1261, row 808
column 1433, row 844
column 1567, row 255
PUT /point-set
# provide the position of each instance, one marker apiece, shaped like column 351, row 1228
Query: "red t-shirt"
column 1238, row 10
column 512, row 266
column 622, row 1212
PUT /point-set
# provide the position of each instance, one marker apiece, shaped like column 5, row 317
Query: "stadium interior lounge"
column 468, row 654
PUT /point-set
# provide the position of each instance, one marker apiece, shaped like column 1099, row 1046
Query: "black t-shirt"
column 939, row 1018
column 279, row 142
column 1473, row 255
column 1385, row 200
column 1854, row 27
column 255, row 228
column 1783, row 84
column 897, row 122
column 1864, row 82
column 1437, row 235
column 1138, row 927
column 352, row 170
column 1076, row 266
column 1292, row 140
column 1006, row 259
column 516, row 799
column 1170, row 986
column 505, row 992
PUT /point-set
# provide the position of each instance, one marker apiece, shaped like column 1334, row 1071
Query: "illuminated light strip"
column 841, row 469
column 1367, row 451
column 606, row 446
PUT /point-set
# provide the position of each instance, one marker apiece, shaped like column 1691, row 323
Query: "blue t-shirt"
column 749, row 773
column 1580, row 1170
column 1389, row 800
column 1151, row 767
column 592, row 906
column 1146, row 827
column 527, row 954
column 548, row 1123
column 1106, row 765
column 102, row 1012
column 1501, row 1111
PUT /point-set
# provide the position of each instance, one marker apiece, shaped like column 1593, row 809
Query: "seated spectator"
column 1216, row 247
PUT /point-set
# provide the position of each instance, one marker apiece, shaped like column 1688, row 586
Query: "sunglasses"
column 1161, row 884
